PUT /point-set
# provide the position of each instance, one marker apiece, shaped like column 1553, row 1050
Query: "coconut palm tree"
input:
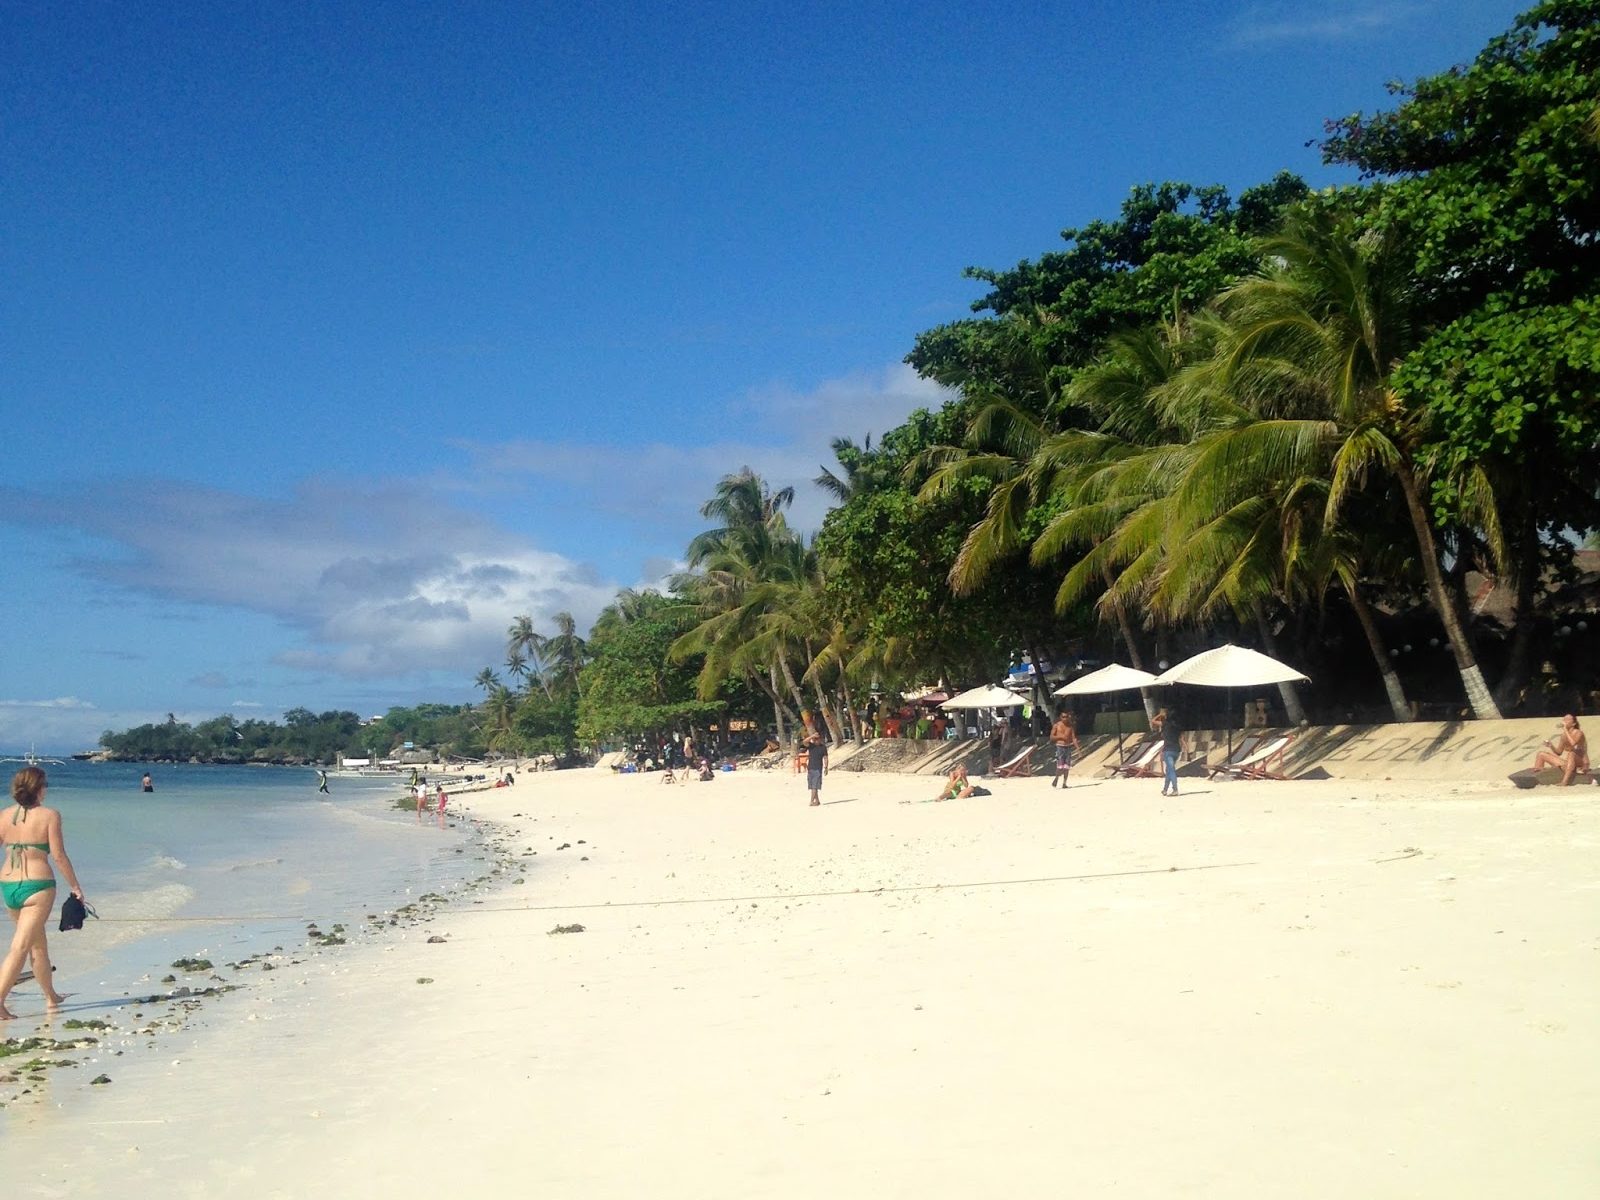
column 487, row 680
column 564, row 652
column 855, row 463
column 626, row 608
column 743, row 598
column 751, row 517
column 517, row 665
column 500, row 712
column 1309, row 346
column 525, row 646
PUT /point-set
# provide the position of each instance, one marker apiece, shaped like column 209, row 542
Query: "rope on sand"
column 877, row 891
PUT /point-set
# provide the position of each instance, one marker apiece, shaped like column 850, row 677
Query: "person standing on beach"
column 1172, row 743
column 322, row 780
column 816, row 750
column 147, row 784
column 1064, row 736
column 30, row 838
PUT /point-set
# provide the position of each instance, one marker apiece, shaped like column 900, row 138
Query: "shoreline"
column 39, row 1051
column 890, row 996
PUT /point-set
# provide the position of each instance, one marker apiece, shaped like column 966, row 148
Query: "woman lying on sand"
column 30, row 837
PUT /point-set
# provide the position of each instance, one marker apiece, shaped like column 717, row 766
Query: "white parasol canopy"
column 1230, row 666
column 987, row 696
column 1115, row 678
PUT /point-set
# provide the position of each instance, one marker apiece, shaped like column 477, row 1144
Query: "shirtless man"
column 1569, row 750
column 1064, row 735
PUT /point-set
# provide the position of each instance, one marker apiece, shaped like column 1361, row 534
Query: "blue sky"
column 335, row 336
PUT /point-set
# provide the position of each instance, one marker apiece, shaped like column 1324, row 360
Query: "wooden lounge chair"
column 1143, row 763
column 1018, row 766
column 1240, row 752
column 1265, row 762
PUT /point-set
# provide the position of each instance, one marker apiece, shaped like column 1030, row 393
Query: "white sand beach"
column 1309, row 989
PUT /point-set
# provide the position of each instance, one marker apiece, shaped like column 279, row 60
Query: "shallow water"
column 224, row 862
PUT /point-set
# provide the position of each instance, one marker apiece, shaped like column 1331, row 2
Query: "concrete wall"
column 1424, row 750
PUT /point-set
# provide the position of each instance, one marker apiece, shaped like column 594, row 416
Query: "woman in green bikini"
column 30, row 837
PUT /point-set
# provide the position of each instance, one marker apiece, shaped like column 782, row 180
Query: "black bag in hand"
column 73, row 912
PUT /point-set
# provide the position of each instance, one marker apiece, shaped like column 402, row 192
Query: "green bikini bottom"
column 15, row 892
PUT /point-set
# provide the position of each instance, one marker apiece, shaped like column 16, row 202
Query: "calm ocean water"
column 221, row 862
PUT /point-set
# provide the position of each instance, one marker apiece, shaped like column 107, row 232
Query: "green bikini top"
column 14, row 849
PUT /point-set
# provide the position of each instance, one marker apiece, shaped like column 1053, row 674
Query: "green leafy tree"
column 631, row 683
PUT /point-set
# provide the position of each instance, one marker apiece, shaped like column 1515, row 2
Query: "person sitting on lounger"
column 1568, row 749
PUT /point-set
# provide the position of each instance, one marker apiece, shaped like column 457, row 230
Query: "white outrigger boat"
column 33, row 760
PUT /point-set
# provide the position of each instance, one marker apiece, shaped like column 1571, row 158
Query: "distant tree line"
column 302, row 736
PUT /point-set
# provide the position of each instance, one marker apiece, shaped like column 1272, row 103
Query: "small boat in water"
column 33, row 760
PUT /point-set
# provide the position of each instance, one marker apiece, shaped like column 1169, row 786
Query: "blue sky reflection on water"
column 335, row 338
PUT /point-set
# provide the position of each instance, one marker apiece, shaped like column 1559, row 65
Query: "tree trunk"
column 1290, row 693
column 1380, row 653
column 777, row 700
column 1041, row 685
column 1135, row 659
column 1519, row 662
column 826, row 710
column 799, row 698
column 1478, row 695
column 850, row 707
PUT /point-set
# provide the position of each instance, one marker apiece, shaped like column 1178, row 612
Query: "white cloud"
column 57, row 729
column 378, row 579
column 656, row 481
column 59, row 702
column 1320, row 22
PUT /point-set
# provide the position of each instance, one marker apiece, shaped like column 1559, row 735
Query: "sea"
column 222, row 862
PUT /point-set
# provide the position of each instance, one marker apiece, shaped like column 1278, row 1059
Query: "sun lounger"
column 1020, row 765
column 1143, row 763
column 1241, row 752
column 1265, row 762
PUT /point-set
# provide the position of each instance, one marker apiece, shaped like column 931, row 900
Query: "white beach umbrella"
column 1114, row 678
column 987, row 696
column 1230, row 666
